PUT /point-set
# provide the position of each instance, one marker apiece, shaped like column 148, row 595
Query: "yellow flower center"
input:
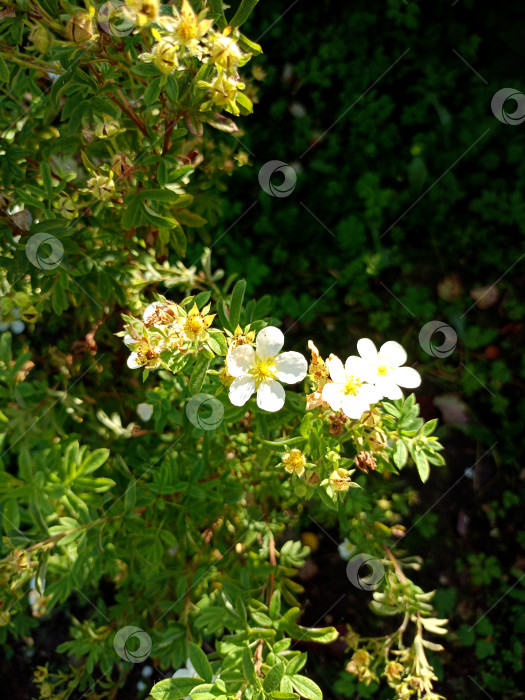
column 194, row 325
column 382, row 370
column 352, row 386
column 187, row 29
column 263, row 370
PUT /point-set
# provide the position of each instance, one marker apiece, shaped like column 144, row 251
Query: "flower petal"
column 336, row 369
column 406, row 376
column 270, row 396
column 355, row 406
column 388, row 388
column 241, row 389
column 370, row 393
column 269, row 341
column 356, row 367
column 333, row 395
column 144, row 411
column 149, row 310
column 240, row 360
column 132, row 361
column 291, row 367
column 393, row 353
column 367, row 350
column 129, row 340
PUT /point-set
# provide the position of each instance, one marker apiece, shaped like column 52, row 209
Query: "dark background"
column 422, row 148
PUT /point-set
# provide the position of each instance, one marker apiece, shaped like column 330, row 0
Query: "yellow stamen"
column 352, row 386
column 382, row 370
column 263, row 370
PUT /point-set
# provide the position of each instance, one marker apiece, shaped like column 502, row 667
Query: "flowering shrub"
column 161, row 518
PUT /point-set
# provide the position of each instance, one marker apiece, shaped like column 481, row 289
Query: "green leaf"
column 421, row 464
column 249, row 45
column 236, row 303
column 275, row 605
column 400, row 455
column 132, row 212
column 321, row 635
column 159, row 195
column 5, row 76
column 190, row 218
column 222, row 312
column 273, row 677
column 248, row 667
column 145, row 69
column 45, row 172
column 244, row 103
column 220, row 344
column 172, row 89
column 306, row 424
column 307, row 688
column 174, row 688
column 95, row 460
column 200, row 662
column 216, row 6
column 296, row 664
column 152, row 92
column 245, row 9
column 10, row 516
column 199, row 374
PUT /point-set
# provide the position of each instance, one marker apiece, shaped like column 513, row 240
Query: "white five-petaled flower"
column 349, row 390
column 384, row 368
column 262, row 369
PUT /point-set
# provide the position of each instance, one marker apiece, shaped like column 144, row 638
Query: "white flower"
column 384, row 368
column 12, row 323
column 346, row 549
column 262, row 369
column 144, row 411
column 349, row 390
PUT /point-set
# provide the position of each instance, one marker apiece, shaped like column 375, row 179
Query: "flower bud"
column 165, row 56
column 340, row 479
column 41, row 38
column 80, row 27
column 225, row 52
column 365, row 461
column 294, row 462
column 102, row 186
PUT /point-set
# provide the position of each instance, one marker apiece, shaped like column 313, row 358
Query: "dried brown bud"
column 365, row 461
